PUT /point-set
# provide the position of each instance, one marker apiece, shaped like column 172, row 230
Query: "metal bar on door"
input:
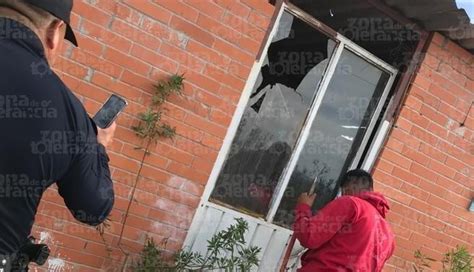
column 281, row 187
column 372, row 122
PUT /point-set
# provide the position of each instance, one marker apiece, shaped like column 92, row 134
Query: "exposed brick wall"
column 426, row 167
column 126, row 47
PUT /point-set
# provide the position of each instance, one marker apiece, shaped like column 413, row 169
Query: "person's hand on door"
column 307, row 199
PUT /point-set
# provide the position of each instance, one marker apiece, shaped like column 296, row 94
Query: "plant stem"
column 142, row 162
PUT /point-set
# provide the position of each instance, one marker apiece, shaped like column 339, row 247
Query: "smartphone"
column 109, row 111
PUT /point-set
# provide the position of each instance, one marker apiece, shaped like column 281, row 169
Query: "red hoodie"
column 348, row 234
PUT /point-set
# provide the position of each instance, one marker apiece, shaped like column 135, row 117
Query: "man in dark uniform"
column 46, row 135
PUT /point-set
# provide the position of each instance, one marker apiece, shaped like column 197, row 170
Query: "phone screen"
column 109, row 112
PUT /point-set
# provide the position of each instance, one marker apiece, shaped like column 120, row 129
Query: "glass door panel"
column 272, row 121
column 347, row 108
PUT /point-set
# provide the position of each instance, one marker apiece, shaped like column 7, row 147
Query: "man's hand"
column 307, row 199
column 105, row 136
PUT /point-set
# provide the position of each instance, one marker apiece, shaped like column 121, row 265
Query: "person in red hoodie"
column 350, row 233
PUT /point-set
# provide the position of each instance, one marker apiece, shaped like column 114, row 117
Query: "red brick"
column 259, row 20
column 234, row 52
column 396, row 158
column 182, row 57
column 442, row 169
column 200, row 150
column 179, row 8
column 209, row 8
column 413, row 102
column 127, row 61
column 138, row 36
column 422, row 82
column 394, row 144
column 203, row 165
column 155, row 174
column 403, row 124
column 123, row 162
column 248, row 30
column 261, row 6
column 106, row 36
column 97, row 63
column 92, row 92
column 452, row 112
column 423, row 172
column 91, row 45
column 152, row 10
column 438, row 130
column 442, row 94
column 456, row 50
column 219, row 29
column 174, row 154
column 127, row 14
column 116, row 86
column 138, row 81
column 424, row 135
column 235, row 7
column 229, row 95
column 439, row 202
column 193, row 31
column 438, row 39
column 203, row 81
column 209, row 99
column 82, row 258
column 425, row 97
column 387, row 179
column 224, row 77
column 92, row 13
column 205, row 125
column 208, row 54
column 431, row 61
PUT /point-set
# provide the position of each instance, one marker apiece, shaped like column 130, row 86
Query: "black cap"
column 61, row 9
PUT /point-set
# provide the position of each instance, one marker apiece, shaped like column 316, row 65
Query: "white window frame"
column 343, row 43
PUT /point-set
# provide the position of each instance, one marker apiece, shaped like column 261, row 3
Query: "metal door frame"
column 342, row 43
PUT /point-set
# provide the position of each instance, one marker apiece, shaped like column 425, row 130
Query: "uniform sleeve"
column 87, row 188
column 314, row 231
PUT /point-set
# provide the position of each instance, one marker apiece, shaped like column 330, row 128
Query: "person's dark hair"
column 358, row 176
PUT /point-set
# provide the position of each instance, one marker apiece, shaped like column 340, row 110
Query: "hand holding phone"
column 110, row 111
column 106, row 136
column 105, row 119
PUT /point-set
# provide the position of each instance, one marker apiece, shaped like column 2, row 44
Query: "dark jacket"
column 46, row 137
column 348, row 234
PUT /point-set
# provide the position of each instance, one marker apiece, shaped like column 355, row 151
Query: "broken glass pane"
column 272, row 121
column 336, row 133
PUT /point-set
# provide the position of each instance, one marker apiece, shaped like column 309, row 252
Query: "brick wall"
column 125, row 47
column 426, row 167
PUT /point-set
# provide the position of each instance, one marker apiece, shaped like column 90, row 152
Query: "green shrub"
column 456, row 260
column 226, row 251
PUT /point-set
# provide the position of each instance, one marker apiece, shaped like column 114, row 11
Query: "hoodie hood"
column 377, row 200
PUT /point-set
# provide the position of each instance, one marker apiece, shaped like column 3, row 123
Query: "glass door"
column 311, row 110
column 270, row 128
column 347, row 108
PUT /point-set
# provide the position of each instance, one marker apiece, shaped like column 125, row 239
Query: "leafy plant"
column 151, row 259
column 226, row 251
column 457, row 260
column 151, row 129
column 421, row 261
column 150, row 126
